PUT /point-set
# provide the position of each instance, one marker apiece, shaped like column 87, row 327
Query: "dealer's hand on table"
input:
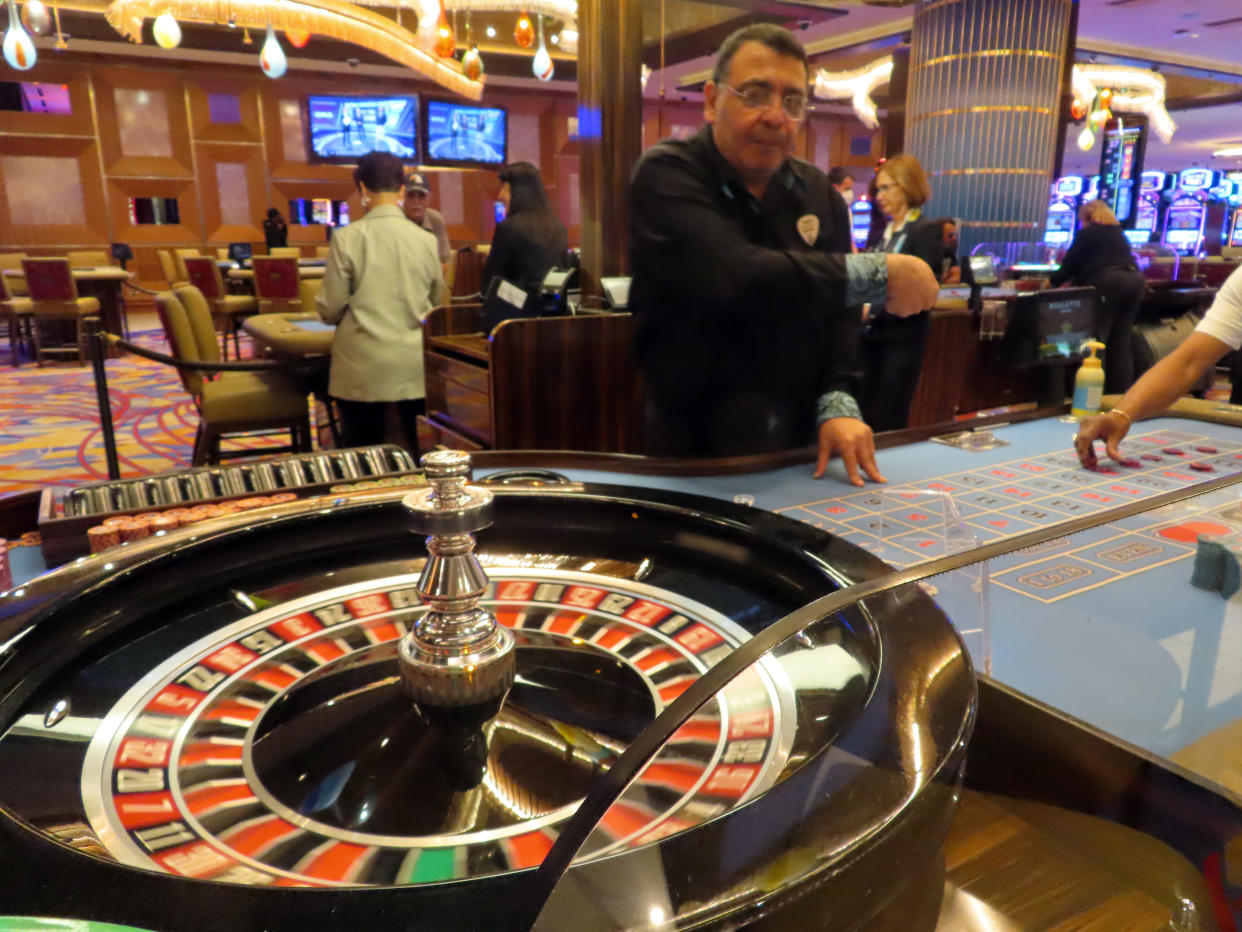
column 911, row 285
column 1110, row 427
column 853, row 439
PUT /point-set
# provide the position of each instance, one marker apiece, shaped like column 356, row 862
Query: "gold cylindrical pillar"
column 982, row 109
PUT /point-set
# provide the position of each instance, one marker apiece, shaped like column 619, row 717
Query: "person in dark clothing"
column 892, row 347
column 951, row 270
column 1100, row 256
column 527, row 244
column 742, row 276
column 275, row 230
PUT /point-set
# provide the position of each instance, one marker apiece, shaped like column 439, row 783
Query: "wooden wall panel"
column 216, row 204
column 187, row 232
column 276, row 169
column 170, row 83
column 246, row 129
column 89, row 216
column 77, row 123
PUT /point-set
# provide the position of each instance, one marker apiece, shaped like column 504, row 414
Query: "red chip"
column 1152, row 458
column 1205, row 449
column 1173, row 451
column 1202, row 467
column 1130, row 463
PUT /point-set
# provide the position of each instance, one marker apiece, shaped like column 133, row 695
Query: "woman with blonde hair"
column 892, row 347
column 1100, row 256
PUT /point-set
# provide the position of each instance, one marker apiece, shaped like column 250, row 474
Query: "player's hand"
column 911, row 285
column 853, row 439
column 1110, row 428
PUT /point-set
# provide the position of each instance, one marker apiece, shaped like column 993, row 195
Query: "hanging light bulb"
column 1078, row 109
column 446, row 42
column 1086, row 139
column 35, row 17
column 298, row 37
column 542, row 65
column 166, row 31
column 272, row 57
column 19, row 51
column 472, row 64
column 524, row 32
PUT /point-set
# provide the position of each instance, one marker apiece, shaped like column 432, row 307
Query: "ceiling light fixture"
column 1228, row 152
column 336, row 19
column 857, row 84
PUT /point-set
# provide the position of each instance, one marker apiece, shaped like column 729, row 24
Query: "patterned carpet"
column 49, row 420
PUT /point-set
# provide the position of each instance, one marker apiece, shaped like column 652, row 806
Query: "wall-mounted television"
column 342, row 129
column 464, row 134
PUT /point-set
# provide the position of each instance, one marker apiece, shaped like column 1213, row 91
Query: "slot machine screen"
column 1235, row 229
column 1059, row 227
column 1184, row 224
column 860, row 221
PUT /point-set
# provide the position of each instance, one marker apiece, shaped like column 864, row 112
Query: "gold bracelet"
column 1129, row 420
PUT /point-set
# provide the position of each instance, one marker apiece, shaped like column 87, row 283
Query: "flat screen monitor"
column 1050, row 326
column 240, row 252
column 983, row 268
column 342, row 129
column 463, row 134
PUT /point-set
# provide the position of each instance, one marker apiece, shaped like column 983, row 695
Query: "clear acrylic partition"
column 1157, row 262
column 1007, row 255
column 829, row 761
column 1130, row 622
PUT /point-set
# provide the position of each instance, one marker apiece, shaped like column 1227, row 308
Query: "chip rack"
column 65, row 518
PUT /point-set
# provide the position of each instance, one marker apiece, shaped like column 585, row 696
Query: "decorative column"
column 983, row 108
column 610, row 129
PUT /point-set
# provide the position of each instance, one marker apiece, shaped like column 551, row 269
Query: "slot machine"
column 1219, row 214
column 1062, row 219
column 1149, row 213
column 1232, row 248
column 1187, row 214
column 860, row 220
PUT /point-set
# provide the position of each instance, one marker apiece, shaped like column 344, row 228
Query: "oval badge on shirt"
column 808, row 228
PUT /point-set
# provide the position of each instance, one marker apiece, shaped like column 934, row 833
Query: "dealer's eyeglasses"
column 763, row 96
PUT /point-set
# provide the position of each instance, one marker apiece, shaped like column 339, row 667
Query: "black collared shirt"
column 741, row 324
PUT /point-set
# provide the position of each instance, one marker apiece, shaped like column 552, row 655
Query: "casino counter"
column 953, row 702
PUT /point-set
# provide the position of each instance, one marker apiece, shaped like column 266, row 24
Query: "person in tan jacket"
column 381, row 281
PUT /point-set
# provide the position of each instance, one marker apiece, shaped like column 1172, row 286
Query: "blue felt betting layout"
column 1103, row 624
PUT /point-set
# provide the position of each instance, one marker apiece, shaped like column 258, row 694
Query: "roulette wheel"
column 276, row 722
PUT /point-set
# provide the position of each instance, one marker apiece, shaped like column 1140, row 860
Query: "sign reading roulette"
column 268, row 723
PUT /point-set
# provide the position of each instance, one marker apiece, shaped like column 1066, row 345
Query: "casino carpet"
column 49, row 421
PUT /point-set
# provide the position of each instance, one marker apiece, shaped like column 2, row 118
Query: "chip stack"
column 1216, row 567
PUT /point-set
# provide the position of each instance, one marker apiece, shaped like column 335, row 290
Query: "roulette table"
column 214, row 729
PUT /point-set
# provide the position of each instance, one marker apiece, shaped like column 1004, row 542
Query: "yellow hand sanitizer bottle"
column 1089, row 383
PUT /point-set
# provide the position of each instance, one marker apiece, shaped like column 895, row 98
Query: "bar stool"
column 54, row 296
column 276, row 284
column 226, row 309
column 17, row 314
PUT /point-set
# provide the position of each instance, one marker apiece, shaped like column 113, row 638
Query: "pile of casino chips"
column 1216, row 564
column 125, row 528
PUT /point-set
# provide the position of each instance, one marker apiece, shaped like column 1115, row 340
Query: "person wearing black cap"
column 415, row 206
